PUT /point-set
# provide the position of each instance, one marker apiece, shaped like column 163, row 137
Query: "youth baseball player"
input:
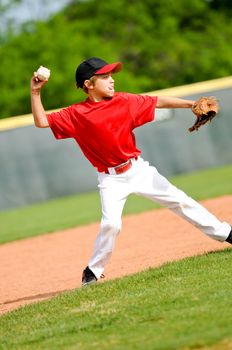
column 102, row 126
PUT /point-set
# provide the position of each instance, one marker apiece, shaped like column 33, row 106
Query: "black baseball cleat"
column 88, row 277
column 229, row 238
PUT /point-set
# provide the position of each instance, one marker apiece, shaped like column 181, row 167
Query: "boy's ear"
column 88, row 84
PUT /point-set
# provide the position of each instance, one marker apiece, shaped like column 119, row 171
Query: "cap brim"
column 113, row 67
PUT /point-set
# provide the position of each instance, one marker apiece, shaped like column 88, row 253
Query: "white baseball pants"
column 143, row 179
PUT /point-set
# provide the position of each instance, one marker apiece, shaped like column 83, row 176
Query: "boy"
column 102, row 125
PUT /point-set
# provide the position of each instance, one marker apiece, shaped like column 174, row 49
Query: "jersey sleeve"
column 60, row 123
column 142, row 108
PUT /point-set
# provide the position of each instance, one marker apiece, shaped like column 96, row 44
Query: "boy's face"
column 103, row 86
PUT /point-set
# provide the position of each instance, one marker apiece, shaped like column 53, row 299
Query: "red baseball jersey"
column 104, row 130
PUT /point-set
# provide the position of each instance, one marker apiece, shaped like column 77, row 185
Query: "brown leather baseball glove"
column 205, row 109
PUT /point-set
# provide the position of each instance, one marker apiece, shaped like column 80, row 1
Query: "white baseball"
column 43, row 73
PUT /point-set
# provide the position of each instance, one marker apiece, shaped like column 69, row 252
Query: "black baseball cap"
column 95, row 66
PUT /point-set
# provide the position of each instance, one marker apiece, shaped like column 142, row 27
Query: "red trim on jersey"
column 104, row 130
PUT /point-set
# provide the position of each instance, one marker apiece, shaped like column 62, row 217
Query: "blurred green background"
column 161, row 43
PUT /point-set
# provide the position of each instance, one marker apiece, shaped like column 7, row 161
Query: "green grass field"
column 179, row 306
column 85, row 208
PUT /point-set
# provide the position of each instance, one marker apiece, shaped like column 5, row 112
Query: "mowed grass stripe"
column 82, row 209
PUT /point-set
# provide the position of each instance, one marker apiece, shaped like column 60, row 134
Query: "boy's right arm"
column 40, row 118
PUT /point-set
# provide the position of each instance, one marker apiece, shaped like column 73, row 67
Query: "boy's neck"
column 98, row 99
column 95, row 98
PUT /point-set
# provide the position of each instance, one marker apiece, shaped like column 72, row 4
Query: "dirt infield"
column 38, row 268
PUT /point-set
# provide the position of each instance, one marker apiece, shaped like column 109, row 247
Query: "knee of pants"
column 181, row 200
column 111, row 227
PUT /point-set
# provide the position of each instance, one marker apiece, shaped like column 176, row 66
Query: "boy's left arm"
column 205, row 108
column 173, row 102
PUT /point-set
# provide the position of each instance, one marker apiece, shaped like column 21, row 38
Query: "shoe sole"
column 88, row 283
